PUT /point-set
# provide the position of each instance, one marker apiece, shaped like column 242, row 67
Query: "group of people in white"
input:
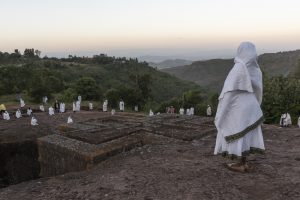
column 285, row 119
column 188, row 111
column 59, row 108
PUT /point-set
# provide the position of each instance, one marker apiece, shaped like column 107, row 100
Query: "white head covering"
column 246, row 74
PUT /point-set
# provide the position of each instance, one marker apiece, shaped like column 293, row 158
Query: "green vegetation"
column 281, row 94
column 95, row 78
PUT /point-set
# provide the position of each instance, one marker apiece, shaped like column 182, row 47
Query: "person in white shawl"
column 91, row 106
column 239, row 116
column 181, row 111
column 29, row 111
column 22, row 103
column 151, row 113
column 62, row 107
column 78, row 106
column 42, row 108
column 70, row 120
column 6, row 116
column 18, row 114
column 285, row 120
column 105, row 105
column 192, row 111
column 33, row 121
column 208, row 111
column 51, row 111
column 122, row 106
column 74, row 107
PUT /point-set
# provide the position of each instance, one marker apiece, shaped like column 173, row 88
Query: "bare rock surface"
column 170, row 168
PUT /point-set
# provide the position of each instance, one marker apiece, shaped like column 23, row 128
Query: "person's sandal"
column 237, row 167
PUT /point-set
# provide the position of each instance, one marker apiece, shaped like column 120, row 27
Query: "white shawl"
column 239, row 102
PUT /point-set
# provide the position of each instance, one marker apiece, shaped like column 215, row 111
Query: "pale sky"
column 156, row 27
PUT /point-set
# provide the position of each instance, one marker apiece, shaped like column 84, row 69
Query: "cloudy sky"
column 213, row 28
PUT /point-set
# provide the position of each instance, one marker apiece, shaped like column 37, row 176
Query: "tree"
column 113, row 97
column 87, row 88
column 29, row 53
column 37, row 52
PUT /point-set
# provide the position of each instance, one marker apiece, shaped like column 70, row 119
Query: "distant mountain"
column 170, row 63
column 212, row 73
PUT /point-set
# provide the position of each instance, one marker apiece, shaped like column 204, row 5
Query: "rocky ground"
column 167, row 169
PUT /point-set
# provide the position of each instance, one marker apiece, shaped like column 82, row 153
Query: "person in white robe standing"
column 105, row 104
column 192, row 111
column 122, row 106
column 208, row 111
column 91, row 106
column 239, row 116
column 74, row 107
column 51, row 111
column 181, row 111
column 18, row 114
column 29, row 111
column 62, row 107
column 288, row 120
column 45, row 99
column 187, row 111
column 33, row 121
column 78, row 106
column 6, row 116
column 136, row 108
column 22, row 103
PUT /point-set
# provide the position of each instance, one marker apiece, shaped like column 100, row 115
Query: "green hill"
column 212, row 73
column 101, row 75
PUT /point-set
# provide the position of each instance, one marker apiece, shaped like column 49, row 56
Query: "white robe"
column 239, row 116
column 181, row 111
column 299, row 122
column 34, row 121
column 285, row 119
column 18, row 114
column 51, row 111
column 151, row 113
column 90, row 106
column 192, row 110
column 70, row 120
column 22, row 103
column 29, row 111
column 136, row 108
column 78, row 106
column 122, row 106
column 62, row 107
column 6, row 116
column 208, row 111
column 105, row 104
column 42, row 108
column 113, row 111
column 74, row 107
column 45, row 99
column 188, row 111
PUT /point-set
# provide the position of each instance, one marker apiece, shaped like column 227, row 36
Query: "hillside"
column 212, row 73
column 60, row 77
